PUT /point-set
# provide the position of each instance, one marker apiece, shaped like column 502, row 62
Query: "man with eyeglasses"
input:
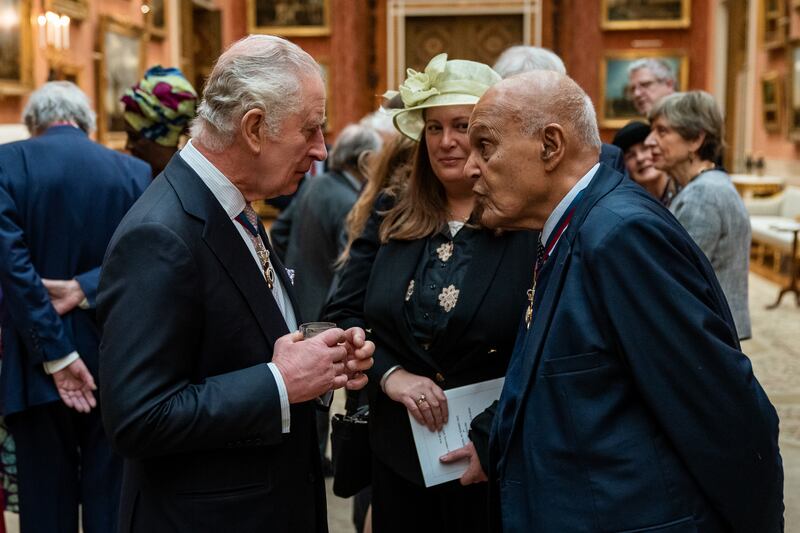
column 649, row 80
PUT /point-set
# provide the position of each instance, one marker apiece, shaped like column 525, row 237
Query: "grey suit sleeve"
column 150, row 309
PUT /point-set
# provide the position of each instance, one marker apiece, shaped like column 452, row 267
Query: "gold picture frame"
column 74, row 9
column 645, row 14
column 59, row 71
column 771, row 101
column 125, row 44
column 289, row 18
column 774, row 23
column 793, row 91
column 614, row 109
column 16, row 51
column 155, row 20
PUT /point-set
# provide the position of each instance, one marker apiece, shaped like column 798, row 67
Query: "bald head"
column 532, row 137
column 537, row 98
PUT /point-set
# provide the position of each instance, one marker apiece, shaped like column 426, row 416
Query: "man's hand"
column 359, row 358
column 474, row 473
column 75, row 385
column 311, row 367
column 65, row 295
column 423, row 398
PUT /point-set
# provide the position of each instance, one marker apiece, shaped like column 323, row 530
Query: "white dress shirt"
column 232, row 201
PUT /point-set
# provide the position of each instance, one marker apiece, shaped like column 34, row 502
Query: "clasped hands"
column 330, row 360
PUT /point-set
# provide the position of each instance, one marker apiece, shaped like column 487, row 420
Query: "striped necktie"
column 249, row 220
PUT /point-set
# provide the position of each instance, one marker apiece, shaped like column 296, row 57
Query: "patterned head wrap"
column 161, row 105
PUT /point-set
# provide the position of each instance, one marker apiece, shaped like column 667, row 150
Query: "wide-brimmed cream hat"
column 454, row 82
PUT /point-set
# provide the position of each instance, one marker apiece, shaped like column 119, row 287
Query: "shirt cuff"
column 51, row 367
column 284, row 396
column 387, row 374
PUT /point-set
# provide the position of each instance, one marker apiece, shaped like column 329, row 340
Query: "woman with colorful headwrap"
column 158, row 110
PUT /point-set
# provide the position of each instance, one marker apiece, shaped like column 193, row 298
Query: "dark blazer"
column 61, row 197
column 476, row 345
column 188, row 328
column 317, row 220
column 628, row 405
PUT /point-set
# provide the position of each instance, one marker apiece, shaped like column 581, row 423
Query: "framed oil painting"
column 155, row 19
column 644, row 14
column 293, row 18
column 771, row 101
column 120, row 65
column 774, row 21
column 16, row 47
column 615, row 108
column 794, row 91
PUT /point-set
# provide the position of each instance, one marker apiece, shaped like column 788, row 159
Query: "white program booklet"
column 464, row 404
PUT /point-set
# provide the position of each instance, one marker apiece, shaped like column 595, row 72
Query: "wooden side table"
column 793, row 227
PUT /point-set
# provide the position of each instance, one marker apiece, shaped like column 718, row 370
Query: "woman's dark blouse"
column 434, row 290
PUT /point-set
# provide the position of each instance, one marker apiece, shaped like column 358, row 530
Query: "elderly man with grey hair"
column 627, row 404
column 649, row 80
column 209, row 388
column 61, row 197
column 522, row 58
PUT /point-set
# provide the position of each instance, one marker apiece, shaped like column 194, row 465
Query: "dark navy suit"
column 628, row 405
column 61, row 197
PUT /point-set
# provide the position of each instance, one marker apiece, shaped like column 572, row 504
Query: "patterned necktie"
column 249, row 219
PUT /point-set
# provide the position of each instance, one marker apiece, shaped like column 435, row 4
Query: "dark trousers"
column 401, row 506
column 64, row 460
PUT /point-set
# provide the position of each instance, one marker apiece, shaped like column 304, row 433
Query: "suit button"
column 492, row 350
column 439, row 377
column 311, row 478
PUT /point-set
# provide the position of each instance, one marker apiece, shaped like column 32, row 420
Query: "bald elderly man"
column 207, row 393
column 628, row 405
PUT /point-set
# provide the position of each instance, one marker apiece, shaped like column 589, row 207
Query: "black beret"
column 634, row 132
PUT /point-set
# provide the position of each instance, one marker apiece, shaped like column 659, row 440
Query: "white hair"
column 566, row 101
column 257, row 72
column 353, row 140
column 380, row 120
column 519, row 59
column 58, row 101
column 658, row 67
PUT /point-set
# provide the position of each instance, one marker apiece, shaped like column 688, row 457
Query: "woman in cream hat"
column 443, row 301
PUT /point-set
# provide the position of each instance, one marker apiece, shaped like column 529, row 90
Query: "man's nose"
column 650, row 140
column 319, row 152
column 471, row 169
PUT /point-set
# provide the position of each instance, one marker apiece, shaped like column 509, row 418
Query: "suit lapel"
column 400, row 259
column 227, row 245
column 605, row 180
column 486, row 257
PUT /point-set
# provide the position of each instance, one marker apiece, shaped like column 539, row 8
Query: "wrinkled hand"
column 311, row 367
column 423, row 398
column 65, row 294
column 474, row 473
column 75, row 385
column 359, row 358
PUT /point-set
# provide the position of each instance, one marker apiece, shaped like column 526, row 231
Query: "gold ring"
column 420, row 399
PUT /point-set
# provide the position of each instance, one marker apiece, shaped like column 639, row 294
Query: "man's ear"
column 252, row 130
column 553, row 146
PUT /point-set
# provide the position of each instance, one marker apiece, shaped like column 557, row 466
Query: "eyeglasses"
column 643, row 85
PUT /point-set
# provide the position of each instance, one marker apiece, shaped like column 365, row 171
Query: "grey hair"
column 519, row 59
column 353, row 140
column 691, row 114
column 380, row 120
column 257, row 72
column 566, row 100
column 658, row 67
column 58, row 101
